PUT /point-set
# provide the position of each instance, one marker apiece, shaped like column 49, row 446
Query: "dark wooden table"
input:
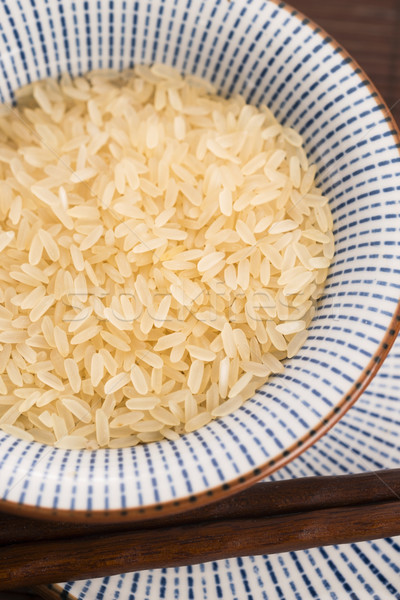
column 368, row 30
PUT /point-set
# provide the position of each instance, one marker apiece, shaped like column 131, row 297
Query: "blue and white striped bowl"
column 366, row 439
column 270, row 54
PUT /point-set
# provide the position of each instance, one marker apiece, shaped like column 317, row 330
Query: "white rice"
column 161, row 255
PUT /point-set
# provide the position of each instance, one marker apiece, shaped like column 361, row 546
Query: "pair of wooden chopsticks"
column 266, row 518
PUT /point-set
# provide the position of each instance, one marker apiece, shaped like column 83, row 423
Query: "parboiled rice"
column 162, row 252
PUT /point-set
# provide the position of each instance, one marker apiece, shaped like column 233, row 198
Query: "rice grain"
column 158, row 274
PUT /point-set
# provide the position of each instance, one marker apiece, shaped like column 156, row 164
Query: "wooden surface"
column 24, row 594
column 266, row 499
column 369, row 31
column 272, row 517
column 112, row 554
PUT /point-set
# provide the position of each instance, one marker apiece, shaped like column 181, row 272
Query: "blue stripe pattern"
column 366, row 439
column 270, row 55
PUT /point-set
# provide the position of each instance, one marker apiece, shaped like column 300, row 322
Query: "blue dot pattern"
column 366, row 439
column 273, row 56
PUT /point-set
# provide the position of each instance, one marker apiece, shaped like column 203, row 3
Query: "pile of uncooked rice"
column 162, row 249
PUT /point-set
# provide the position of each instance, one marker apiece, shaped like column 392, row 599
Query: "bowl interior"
column 271, row 55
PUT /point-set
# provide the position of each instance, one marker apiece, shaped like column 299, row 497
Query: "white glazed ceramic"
column 270, row 54
column 366, row 439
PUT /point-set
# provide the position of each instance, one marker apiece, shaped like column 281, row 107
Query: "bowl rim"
column 237, row 484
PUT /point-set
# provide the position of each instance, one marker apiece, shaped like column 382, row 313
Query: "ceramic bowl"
column 271, row 54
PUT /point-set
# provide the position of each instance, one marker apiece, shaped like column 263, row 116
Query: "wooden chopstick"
column 267, row 518
column 263, row 499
